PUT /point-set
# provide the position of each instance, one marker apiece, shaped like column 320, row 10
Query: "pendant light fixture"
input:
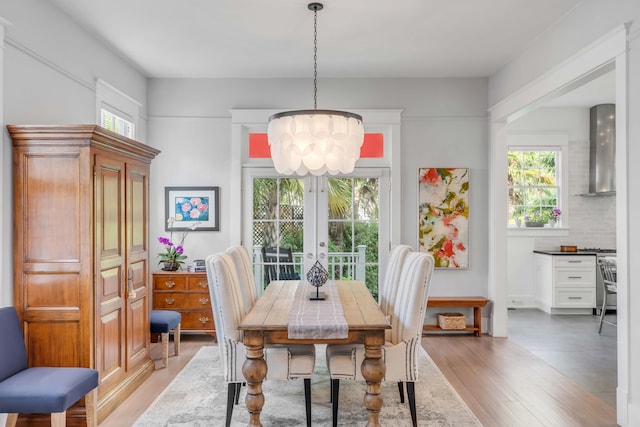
column 315, row 141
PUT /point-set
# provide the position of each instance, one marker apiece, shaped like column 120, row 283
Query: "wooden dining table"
column 268, row 323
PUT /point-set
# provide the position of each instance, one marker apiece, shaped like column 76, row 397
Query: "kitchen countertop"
column 565, row 253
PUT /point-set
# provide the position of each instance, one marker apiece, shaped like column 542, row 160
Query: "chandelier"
column 315, row 141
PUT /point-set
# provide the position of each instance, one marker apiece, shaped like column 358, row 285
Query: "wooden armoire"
column 80, row 254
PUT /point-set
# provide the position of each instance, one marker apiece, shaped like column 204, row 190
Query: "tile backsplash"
column 592, row 220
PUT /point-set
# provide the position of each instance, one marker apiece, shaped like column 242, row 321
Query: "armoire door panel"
column 138, row 212
column 53, row 344
column 111, row 358
column 138, row 342
column 111, row 209
column 139, row 273
column 110, row 284
column 47, row 290
column 45, row 207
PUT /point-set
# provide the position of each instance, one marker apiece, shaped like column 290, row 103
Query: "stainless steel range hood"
column 602, row 161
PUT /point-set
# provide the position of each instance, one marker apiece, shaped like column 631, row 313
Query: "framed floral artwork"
column 443, row 216
column 194, row 208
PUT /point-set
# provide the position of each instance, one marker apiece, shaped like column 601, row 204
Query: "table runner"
column 317, row 319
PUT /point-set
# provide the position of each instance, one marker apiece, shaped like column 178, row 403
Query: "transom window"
column 372, row 147
column 115, row 110
column 115, row 123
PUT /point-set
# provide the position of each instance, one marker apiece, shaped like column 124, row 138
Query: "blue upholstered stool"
column 163, row 322
column 25, row 390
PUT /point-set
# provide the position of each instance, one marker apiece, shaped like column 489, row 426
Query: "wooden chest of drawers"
column 187, row 293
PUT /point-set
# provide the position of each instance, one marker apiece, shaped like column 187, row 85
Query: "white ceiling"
column 356, row 38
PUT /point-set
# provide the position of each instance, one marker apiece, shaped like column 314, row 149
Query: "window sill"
column 537, row 231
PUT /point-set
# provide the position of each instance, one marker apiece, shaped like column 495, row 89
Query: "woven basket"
column 452, row 320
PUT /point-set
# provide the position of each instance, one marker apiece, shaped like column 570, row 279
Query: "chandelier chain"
column 333, row 142
column 315, row 59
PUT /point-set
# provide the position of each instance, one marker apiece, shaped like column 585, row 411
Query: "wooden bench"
column 448, row 302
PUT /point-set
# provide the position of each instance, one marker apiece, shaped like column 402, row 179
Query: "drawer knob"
column 575, row 297
column 169, row 284
column 203, row 284
column 575, row 277
column 169, row 300
column 204, row 300
column 203, row 319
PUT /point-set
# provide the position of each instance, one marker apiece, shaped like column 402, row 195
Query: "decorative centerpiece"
column 317, row 276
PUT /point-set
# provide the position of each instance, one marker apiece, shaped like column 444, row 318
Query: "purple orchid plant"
column 174, row 253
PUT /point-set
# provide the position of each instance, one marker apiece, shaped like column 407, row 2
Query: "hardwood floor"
column 506, row 385
column 501, row 382
column 129, row 411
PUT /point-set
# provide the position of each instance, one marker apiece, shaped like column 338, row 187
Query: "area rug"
column 197, row 398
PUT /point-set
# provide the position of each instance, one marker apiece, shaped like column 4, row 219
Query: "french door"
column 339, row 221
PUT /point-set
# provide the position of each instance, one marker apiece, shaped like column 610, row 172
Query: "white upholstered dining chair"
column 283, row 362
column 401, row 349
column 387, row 290
column 244, row 268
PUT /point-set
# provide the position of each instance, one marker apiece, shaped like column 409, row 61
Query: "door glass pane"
column 353, row 230
column 278, row 224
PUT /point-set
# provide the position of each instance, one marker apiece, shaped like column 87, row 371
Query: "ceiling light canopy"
column 315, row 141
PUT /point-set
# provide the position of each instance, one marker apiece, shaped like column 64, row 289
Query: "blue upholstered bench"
column 46, row 390
column 163, row 322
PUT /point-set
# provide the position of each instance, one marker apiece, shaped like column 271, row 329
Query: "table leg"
column 373, row 370
column 477, row 320
column 254, row 370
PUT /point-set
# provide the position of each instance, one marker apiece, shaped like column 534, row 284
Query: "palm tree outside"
column 278, row 218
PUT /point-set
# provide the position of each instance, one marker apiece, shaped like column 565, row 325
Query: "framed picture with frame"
column 195, row 208
column 443, row 210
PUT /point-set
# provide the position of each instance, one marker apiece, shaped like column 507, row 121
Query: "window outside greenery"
column 533, row 184
column 278, row 218
column 116, row 124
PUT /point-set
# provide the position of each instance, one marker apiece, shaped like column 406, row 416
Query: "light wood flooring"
column 501, row 382
column 129, row 411
column 506, row 385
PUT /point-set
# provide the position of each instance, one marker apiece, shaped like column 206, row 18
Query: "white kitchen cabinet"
column 565, row 284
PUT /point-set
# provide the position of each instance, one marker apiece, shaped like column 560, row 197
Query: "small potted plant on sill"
column 555, row 217
column 517, row 220
column 535, row 220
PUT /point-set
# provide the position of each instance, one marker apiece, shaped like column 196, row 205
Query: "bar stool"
column 162, row 322
column 609, row 270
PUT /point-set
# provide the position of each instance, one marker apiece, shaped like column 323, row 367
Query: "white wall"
column 589, row 21
column 633, row 227
column 591, row 220
column 51, row 67
column 443, row 124
column 583, row 25
column 449, row 142
column 49, row 77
